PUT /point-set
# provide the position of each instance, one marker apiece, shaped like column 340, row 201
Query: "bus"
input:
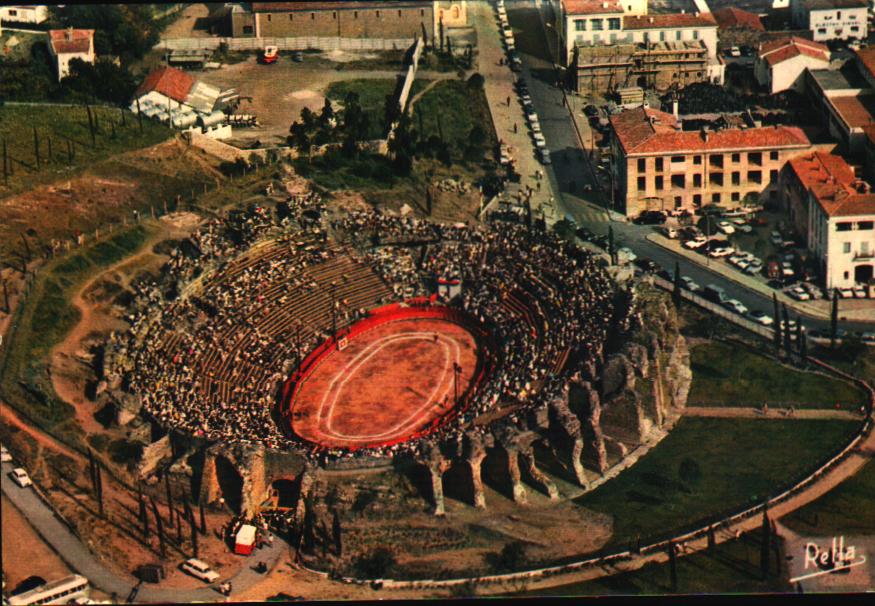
column 62, row 591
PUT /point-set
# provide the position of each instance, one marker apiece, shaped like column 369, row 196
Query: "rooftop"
column 846, row 78
column 168, row 81
column 828, row 4
column 592, row 7
column 646, row 131
column 735, row 17
column 280, row 7
column 71, row 40
column 866, row 59
column 833, row 184
column 856, row 110
column 669, row 21
column 778, row 51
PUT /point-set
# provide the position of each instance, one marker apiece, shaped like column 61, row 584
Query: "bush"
column 376, row 564
column 123, row 452
column 689, row 472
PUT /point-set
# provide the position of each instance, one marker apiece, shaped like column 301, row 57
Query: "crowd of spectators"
column 543, row 301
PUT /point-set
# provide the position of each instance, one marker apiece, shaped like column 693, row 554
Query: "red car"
column 270, row 55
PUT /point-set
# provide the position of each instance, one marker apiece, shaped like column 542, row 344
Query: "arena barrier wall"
column 412, row 309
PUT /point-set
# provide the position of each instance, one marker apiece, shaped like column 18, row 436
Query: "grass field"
column 740, row 462
column 726, row 374
column 732, row 568
column 46, row 317
column 22, row 43
column 450, row 110
column 846, row 509
column 372, row 97
column 63, row 125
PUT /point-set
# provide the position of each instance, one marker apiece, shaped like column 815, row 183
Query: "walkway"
column 729, row 412
column 82, row 560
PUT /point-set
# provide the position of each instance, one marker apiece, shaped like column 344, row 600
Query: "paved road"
column 571, row 165
column 75, row 553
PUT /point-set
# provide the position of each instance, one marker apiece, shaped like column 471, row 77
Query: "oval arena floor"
column 390, row 382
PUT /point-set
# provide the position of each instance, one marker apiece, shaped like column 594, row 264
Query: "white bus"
column 62, row 591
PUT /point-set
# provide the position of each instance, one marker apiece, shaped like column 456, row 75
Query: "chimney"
column 604, row 5
column 683, row 11
column 674, row 107
column 651, row 19
column 705, row 134
column 68, row 35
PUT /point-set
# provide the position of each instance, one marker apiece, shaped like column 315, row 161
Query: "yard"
column 372, row 98
column 727, row 374
column 730, row 464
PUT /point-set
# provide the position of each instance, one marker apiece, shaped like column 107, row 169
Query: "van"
column 716, row 294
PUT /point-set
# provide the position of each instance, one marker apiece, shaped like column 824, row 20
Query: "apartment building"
column 660, row 166
column 781, row 64
column 68, row 44
column 835, row 212
column 831, row 19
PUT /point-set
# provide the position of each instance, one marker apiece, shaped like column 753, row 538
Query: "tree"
column 678, row 284
column 611, row 250
column 102, row 80
column 336, row 533
column 834, row 319
column 511, row 557
column 777, row 324
column 376, row 564
column 689, row 471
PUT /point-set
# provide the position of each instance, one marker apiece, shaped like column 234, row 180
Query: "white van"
column 200, row 570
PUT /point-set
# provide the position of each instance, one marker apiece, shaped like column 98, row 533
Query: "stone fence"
column 286, row 44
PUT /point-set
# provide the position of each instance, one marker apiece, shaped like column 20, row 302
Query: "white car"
column 745, row 228
column 670, row 232
column 799, row 293
column 761, row 318
column 690, row 284
column 723, row 251
column 627, row 254
column 754, row 268
column 846, row 293
column 5, row 457
column 726, row 227
column 736, row 306
column 697, row 242
column 200, row 570
column 860, row 292
column 776, row 239
column 734, row 52
column 20, row 477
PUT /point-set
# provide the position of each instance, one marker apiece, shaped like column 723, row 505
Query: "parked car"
column 670, row 232
column 298, row 57
column 722, row 251
column 715, row 293
column 754, row 268
column 846, row 293
column 799, row 293
column 776, row 238
column 697, row 242
column 544, row 155
column 5, row 457
column 269, row 55
column 726, row 227
column 20, row 477
column 761, row 318
column 591, row 110
column 627, row 254
column 859, row 292
column 736, row 306
column 690, row 284
column 647, row 265
column 200, row 570
column 650, row 217
column 734, row 52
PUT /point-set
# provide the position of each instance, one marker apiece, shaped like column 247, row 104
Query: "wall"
column 827, row 25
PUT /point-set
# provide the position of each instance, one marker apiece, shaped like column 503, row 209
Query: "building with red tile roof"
column 735, row 18
column 168, row 81
column 172, row 95
column 660, row 166
column 68, row 44
column 780, row 64
column 835, row 213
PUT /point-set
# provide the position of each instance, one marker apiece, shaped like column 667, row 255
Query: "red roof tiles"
column 668, row 20
column 280, row 7
column 649, row 131
column 71, row 40
column 777, row 51
column 592, row 7
column 168, row 81
column 833, row 184
column 735, row 17
column 866, row 58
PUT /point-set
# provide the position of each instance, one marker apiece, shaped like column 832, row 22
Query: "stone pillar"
column 475, row 452
column 595, row 425
column 540, row 478
column 513, row 470
column 576, row 464
column 436, row 471
column 567, row 423
column 307, row 478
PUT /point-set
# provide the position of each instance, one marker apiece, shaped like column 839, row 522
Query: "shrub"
column 376, row 564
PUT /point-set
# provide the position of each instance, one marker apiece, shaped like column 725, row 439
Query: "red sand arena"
column 387, row 379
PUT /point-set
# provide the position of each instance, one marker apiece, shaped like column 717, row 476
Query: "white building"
column 831, row 19
column 781, row 64
column 835, row 212
column 22, row 13
column 68, row 44
column 609, row 22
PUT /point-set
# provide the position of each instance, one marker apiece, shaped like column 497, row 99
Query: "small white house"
column 22, row 13
column 68, row 44
column 780, row 64
column 831, row 19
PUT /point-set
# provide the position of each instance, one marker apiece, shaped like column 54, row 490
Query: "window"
column 773, row 176
column 736, row 158
column 291, row 17
column 659, row 184
column 855, row 28
column 736, row 196
column 755, row 176
column 269, row 16
column 866, row 225
column 355, row 14
column 247, row 29
column 773, row 155
column 844, row 226
column 697, row 159
column 715, row 198
column 659, row 164
column 678, row 181
column 422, row 12
column 334, row 15
column 13, row 12
column 676, row 159
column 736, row 178
column 716, row 160
column 678, row 201
column 378, row 14
column 846, row 247
column 580, row 25
column 697, row 199
column 697, row 180
column 312, row 16
column 597, row 25
column 695, row 34
column 642, row 165
column 399, row 13
column 677, row 35
column 642, row 184
column 662, row 36
column 613, row 23
column 755, row 158
column 821, row 30
column 838, row 14
column 715, row 179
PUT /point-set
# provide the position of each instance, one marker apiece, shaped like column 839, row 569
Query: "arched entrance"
column 285, row 492
column 230, row 483
column 863, row 274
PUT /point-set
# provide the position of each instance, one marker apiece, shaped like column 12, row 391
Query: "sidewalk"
column 499, row 87
column 862, row 310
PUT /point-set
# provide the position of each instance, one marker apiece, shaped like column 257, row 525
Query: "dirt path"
column 68, row 362
column 730, row 412
column 10, row 417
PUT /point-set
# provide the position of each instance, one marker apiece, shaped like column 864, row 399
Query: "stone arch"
column 230, row 483
column 285, row 492
column 457, row 482
column 863, row 274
